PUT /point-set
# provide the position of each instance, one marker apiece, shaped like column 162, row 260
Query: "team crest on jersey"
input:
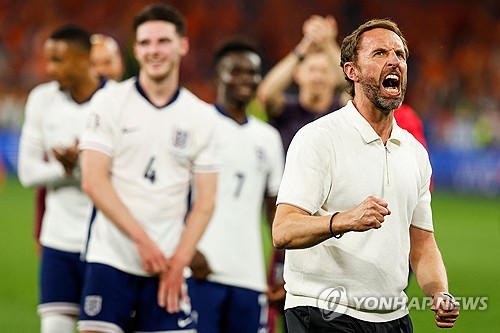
column 93, row 121
column 93, row 305
column 180, row 139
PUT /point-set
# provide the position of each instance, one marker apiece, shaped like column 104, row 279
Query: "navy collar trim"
column 143, row 94
column 102, row 83
column 222, row 112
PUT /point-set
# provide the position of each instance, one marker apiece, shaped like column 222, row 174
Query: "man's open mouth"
column 391, row 84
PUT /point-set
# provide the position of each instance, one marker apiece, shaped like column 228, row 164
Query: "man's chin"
column 387, row 105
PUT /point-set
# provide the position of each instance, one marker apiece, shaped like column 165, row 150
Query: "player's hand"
column 153, row 260
column 320, row 30
column 67, row 156
column 276, row 293
column 172, row 289
column 200, row 267
column 370, row 214
column 446, row 310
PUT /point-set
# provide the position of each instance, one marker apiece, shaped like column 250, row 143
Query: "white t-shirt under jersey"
column 53, row 119
column 333, row 164
column 251, row 165
column 154, row 152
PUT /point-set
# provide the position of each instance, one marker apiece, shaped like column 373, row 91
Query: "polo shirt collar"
column 366, row 130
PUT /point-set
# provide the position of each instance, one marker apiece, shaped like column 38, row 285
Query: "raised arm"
column 271, row 91
column 323, row 33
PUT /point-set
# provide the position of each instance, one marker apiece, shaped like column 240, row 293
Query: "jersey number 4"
column 150, row 172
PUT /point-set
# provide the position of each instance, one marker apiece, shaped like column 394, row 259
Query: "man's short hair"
column 73, row 33
column 234, row 44
column 350, row 45
column 161, row 12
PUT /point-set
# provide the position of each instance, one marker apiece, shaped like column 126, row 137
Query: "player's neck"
column 234, row 110
column 84, row 89
column 159, row 92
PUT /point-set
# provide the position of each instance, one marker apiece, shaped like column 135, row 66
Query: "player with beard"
column 354, row 203
column 229, row 287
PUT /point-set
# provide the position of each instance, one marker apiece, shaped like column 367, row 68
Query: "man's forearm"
column 196, row 223
column 198, row 217
column 427, row 263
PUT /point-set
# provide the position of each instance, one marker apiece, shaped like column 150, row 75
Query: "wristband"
column 447, row 294
column 331, row 230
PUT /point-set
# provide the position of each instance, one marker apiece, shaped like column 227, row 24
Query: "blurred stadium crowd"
column 454, row 65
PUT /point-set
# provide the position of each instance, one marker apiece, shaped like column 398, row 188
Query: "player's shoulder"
column 198, row 109
column 118, row 89
column 411, row 141
column 46, row 89
column 43, row 95
column 263, row 127
column 113, row 94
column 189, row 98
column 408, row 140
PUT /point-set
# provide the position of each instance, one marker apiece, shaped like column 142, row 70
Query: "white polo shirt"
column 333, row 164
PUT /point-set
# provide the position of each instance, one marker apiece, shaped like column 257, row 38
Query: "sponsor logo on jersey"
column 92, row 305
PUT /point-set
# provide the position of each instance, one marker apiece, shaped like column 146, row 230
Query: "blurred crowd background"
column 454, row 76
column 454, row 64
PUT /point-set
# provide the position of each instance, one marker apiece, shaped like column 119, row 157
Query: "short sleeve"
column 32, row 126
column 276, row 164
column 101, row 126
column 422, row 214
column 307, row 177
column 207, row 157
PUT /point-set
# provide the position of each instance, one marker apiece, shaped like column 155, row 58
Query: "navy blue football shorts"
column 115, row 301
column 223, row 308
column 61, row 281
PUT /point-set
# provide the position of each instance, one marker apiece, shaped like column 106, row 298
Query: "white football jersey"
column 154, row 152
column 53, row 119
column 251, row 165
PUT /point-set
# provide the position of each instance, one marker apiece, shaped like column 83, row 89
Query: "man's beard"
column 386, row 104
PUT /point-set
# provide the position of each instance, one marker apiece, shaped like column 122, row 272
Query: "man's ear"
column 350, row 71
column 184, row 46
